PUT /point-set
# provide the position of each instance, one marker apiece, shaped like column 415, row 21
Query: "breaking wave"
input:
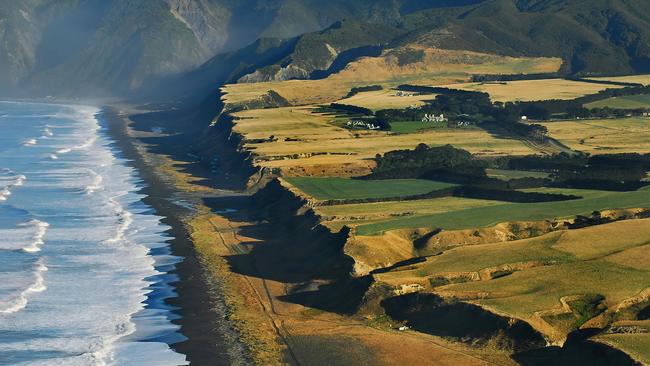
column 10, row 183
column 29, row 142
column 20, row 302
column 39, row 235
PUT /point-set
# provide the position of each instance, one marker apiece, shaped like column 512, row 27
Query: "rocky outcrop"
column 275, row 73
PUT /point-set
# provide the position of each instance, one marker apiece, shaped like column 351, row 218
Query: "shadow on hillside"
column 578, row 350
column 292, row 250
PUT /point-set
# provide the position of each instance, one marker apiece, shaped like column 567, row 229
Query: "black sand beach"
column 211, row 339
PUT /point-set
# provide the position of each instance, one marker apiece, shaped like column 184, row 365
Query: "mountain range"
column 122, row 47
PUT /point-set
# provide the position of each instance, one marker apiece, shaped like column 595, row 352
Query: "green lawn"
column 624, row 102
column 342, row 188
column 492, row 215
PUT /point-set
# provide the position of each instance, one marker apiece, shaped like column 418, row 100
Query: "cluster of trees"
column 487, row 78
column 429, row 162
column 478, row 109
column 353, row 109
column 449, row 164
column 574, row 108
column 360, row 89
column 610, row 172
column 618, row 172
column 483, row 78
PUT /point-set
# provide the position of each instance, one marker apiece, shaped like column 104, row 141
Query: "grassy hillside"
column 598, row 36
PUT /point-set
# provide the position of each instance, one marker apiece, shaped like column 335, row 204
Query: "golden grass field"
column 304, row 137
column 606, row 136
column 639, row 79
column 386, row 99
column 531, row 90
column 438, row 67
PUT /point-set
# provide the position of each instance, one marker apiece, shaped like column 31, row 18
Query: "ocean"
column 85, row 267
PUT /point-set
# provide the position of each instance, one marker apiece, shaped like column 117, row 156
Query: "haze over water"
column 83, row 262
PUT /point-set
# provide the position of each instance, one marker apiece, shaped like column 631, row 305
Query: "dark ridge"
column 400, row 264
column 412, row 6
column 346, row 57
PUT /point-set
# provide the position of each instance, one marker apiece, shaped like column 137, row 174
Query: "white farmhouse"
column 434, row 118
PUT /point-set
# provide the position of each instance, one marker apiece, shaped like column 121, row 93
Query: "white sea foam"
column 85, row 145
column 29, row 142
column 39, row 235
column 106, row 287
column 20, row 301
column 15, row 181
column 124, row 221
column 96, row 183
column 47, row 132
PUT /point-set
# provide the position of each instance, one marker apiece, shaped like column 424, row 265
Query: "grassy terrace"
column 345, row 189
column 639, row 79
column 530, row 90
column 606, row 136
column 624, row 102
column 386, row 99
column 505, row 212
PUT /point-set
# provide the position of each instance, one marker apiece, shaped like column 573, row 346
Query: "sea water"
column 84, row 263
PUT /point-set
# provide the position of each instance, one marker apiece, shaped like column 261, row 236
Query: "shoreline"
column 253, row 290
column 203, row 314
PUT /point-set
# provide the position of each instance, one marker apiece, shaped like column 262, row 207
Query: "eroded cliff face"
column 207, row 21
column 19, row 35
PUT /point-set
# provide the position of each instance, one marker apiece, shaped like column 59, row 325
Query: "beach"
column 262, row 283
column 211, row 338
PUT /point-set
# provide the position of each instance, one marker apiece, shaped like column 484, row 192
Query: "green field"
column 503, row 174
column 413, row 126
column 345, row 189
column 506, row 212
column 624, row 102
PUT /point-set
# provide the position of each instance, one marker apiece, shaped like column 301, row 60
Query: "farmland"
column 603, row 136
column 386, row 99
column 639, row 79
column 517, row 259
column 437, row 67
column 305, row 138
column 531, row 90
column 346, row 189
column 506, row 212
column 625, row 102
